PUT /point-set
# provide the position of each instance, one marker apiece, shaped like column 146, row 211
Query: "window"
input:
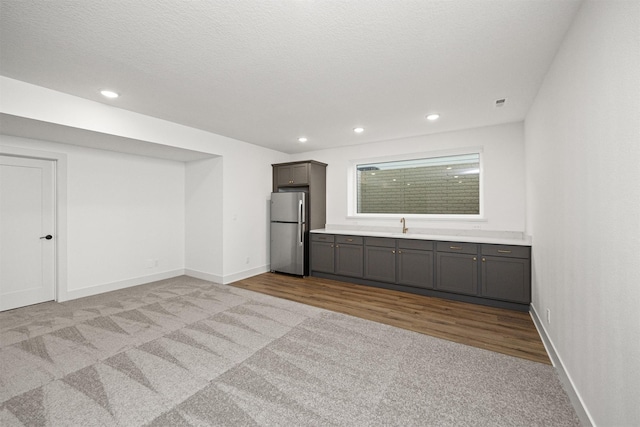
column 448, row 185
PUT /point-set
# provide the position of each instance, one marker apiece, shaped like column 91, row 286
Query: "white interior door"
column 27, row 231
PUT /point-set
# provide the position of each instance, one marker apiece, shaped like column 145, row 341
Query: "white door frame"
column 60, row 200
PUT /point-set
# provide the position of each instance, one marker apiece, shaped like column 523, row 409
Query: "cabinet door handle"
column 337, row 246
column 484, row 259
column 500, row 251
column 349, row 240
column 399, row 252
column 393, row 252
column 457, row 248
column 331, row 245
column 475, row 259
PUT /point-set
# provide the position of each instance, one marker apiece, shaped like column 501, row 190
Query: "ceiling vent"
column 500, row 102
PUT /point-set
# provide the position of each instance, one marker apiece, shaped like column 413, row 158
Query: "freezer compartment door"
column 287, row 248
column 287, row 207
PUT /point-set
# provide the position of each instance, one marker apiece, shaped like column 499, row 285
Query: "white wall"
column 239, row 186
column 583, row 208
column 227, row 213
column 504, row 188
column 247, row 188
column 124, row 217
column 203, row 227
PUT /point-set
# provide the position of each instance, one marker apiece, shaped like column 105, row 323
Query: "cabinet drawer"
column 322, row 237
column 424, row 245
column 507, row 251
column 350, row 240
column 458, row 247
column 380, row 241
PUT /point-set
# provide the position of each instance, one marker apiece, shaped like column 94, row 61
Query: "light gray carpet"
column 186, row 352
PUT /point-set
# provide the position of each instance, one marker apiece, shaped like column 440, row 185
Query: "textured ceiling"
column 267, row 72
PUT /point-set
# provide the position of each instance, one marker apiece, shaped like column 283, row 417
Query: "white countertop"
column 496, row 240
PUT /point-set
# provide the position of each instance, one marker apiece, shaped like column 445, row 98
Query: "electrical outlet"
column 548, row 316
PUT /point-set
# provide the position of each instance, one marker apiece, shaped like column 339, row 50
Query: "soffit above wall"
column 36, row 129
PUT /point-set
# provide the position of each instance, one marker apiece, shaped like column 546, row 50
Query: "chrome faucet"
column 404, row 225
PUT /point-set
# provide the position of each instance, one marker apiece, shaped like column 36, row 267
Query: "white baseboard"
column 225, row 280
column 245, row 274
column 202, row 275
column 563, row 375
column 114, row 286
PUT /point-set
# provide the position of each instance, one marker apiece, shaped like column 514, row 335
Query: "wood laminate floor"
column 500, row 330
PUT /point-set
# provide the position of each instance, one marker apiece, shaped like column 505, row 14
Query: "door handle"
column 300, row 222
column 48, row 237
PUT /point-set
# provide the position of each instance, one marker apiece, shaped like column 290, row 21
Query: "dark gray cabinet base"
column 492, row 275
column 498, row 275
column 415, row 268
column 380, row 264
column 457, row 273
column 349, row 260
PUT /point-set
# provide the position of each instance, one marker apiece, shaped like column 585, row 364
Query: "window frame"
column 352, row 186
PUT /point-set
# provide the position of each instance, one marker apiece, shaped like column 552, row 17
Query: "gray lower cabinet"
column 415, row 263
column 457, row 267
column 322, row 254
column 482, row 271
column 349, row 256
column 415, row 268
column 380, row 259
column 399, row 261
column 341, row 255
column 506, row 273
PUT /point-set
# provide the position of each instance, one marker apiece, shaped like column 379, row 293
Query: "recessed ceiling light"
column 358, row 130
column 434, row 116
column 109, row 94
column 302, row 139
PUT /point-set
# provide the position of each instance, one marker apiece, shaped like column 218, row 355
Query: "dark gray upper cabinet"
column 380, row 259
column 506, row 273
column 291, row 174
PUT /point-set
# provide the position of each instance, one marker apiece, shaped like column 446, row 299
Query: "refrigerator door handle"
column 300, row 222
column 301, row 211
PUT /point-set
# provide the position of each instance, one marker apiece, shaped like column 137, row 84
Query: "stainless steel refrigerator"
column 288, row 230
